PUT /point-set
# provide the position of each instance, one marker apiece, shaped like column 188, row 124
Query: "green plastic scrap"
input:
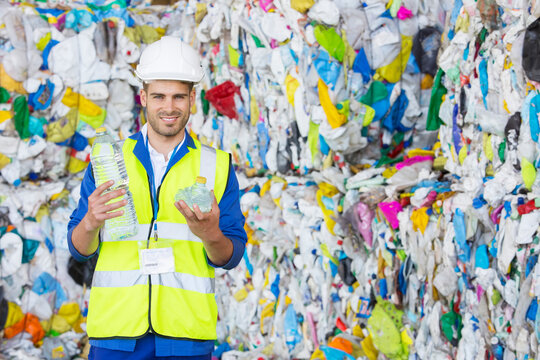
column 495, row 297
column 385, row 324
column 502, row 150
column 437, row 93
column 205, row 103
column 451, row 324
column 22, row 117
column 4, row 95
column 330, row 40
column 257, row 41
column 112, row 5
column 376, row 92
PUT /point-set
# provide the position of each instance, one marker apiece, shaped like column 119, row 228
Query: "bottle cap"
column 201, row 180
column 100, row 130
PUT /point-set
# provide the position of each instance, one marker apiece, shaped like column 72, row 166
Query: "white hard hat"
column 169, row 59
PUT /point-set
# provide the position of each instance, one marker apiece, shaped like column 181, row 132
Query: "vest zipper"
column 147, row 246
column 150, row 329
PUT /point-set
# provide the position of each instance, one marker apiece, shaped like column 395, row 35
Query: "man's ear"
column 142, row 95
column 192, row 96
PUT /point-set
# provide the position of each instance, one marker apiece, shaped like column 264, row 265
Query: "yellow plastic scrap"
column 234, row 56
column 357, row 331
column 42, row 43
column 77, row 327
column 392, row 72
column 489, row 170
column 70, row 312
column 200, row 13
column 462, row 154
column 5, row 115
column 265, row 187
column 385, row 326
column 143, row 33
column 528, row 173
column 63, row 128
column 242, row 294
column 302, row 6
column 393, row 6
column 334, row 117
column 420, row 152
column 10, row 84
column 76, row 165
column 58, row 324
column 439, row 162
column 462, row 23
column 328, row 160
column 420, row 219
column 43, row 211
column 329, row 191
column 291, row 84
column 350, row 53
column 14, row 314
column 488, row 149
column 94, row 121
column 389, row 172
column 369, row 115
column 86, row 107
column 318, row 355
column 406, row 341
column 254, row 110
column 369, row 349
column 326, row 252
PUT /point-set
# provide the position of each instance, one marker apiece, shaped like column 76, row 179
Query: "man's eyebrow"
column 175, row 94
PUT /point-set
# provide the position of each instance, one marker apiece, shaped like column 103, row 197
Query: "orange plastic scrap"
column 30, row 324
column 341, row 344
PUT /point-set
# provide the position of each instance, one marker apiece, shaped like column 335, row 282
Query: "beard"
column 168, row 130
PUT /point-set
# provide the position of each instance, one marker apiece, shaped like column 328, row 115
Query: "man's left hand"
column 203, row 225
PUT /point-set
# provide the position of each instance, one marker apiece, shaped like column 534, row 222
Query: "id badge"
column 156, row 261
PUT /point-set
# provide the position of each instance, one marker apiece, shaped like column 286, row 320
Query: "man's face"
column 168, row 104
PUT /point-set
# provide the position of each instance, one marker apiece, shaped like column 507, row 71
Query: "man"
column 153, row 293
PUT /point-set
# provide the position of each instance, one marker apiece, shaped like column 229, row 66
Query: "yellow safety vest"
column 127, row 304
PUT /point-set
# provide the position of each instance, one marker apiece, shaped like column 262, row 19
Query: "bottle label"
column 156, row 261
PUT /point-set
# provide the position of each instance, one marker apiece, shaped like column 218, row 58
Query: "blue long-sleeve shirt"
column 231, row 223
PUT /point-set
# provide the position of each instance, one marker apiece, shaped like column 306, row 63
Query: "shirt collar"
column 188, row 140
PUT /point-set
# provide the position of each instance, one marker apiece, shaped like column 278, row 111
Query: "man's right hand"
column 99, row 210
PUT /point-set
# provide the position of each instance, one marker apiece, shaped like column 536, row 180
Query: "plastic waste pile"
column 389, row 197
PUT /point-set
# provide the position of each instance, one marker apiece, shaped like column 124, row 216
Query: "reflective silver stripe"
column 142, row 234
column 134, row 277
column 118, row 278
column 208, row 165
column 185, row 281
column 166, row 230
column 176, row 231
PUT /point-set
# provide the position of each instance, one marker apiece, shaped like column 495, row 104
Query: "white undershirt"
column 159, row 163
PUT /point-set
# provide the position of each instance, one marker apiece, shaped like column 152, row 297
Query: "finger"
column 198, row 213
column 112, row 206
column 179, row 207
column 183, row 208
column 215, row 206
column 107, row 216
column 101, row 188
column 110, row 196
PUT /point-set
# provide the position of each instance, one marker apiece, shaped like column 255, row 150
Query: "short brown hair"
column 189, row 84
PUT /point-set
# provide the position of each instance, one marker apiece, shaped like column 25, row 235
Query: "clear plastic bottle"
column 108, row 164
column 196, row 194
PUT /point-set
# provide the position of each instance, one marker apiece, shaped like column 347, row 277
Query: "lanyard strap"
column 152, row 182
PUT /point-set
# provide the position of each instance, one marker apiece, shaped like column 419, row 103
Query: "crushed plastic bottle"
column 108, row 164
column 196, row 194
